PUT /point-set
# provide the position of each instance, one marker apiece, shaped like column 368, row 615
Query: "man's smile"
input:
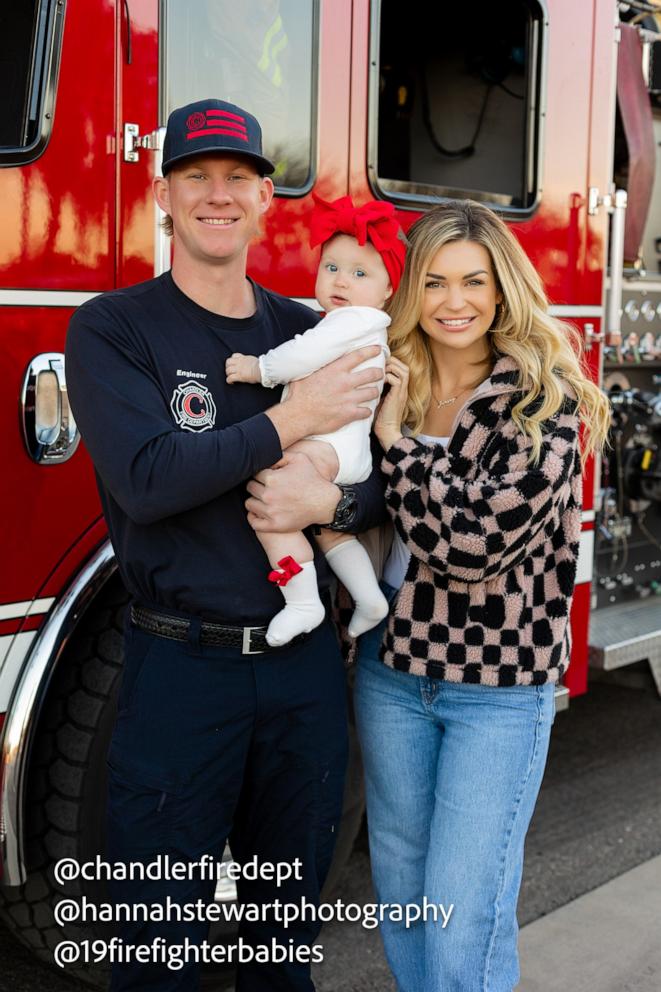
column 218, row 221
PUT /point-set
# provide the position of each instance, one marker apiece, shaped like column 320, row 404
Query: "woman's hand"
column 389, row 417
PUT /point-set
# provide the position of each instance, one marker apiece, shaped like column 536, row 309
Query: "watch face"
column 345, row 510
column 347, row 506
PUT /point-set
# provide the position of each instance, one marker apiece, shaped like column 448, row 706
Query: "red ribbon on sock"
column 290, row 568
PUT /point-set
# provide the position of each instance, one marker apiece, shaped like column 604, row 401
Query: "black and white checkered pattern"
column 494, row 545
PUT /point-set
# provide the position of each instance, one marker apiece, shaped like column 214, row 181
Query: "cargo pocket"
column 143, row 804
column 137, row 647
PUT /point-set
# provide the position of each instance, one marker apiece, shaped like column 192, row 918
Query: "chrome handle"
column 613, row 316
column 49, row 428
column 162, row 245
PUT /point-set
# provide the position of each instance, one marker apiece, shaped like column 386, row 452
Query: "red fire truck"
column 548, row 110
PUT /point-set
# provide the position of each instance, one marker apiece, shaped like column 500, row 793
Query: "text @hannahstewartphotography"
column 83, row 911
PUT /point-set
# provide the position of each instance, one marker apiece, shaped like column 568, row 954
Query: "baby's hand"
column 242, row 368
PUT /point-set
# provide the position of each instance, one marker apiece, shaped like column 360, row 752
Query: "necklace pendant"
column 440, row 403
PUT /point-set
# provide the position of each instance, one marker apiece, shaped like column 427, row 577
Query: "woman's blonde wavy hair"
column 546, row 350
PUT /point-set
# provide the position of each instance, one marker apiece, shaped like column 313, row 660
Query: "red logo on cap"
column 195, row 122
column 217, row 122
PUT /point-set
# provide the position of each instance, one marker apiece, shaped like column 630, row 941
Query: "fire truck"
column 547, row 110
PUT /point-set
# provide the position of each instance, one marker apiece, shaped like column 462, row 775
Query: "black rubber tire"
column 67, row 782
column 66, row 792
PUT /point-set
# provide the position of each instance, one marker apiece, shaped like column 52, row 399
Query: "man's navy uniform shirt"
column 173, row 445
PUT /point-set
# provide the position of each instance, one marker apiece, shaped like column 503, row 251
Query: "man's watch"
column 345, row 511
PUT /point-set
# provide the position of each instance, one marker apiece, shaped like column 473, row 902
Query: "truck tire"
column 66, row 789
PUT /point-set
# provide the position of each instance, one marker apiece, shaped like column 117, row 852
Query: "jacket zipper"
column 494, row 391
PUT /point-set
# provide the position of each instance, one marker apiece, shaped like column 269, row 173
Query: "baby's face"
column 351, row 275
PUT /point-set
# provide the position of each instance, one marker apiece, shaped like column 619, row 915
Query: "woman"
column 480, row 430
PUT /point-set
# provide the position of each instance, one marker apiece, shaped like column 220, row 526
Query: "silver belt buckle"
column 245, row 648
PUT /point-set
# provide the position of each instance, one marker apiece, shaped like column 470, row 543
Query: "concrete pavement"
column 607, row 940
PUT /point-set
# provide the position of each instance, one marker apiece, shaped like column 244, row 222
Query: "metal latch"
column 595, row 200
column 133, row 141
column 592, row 336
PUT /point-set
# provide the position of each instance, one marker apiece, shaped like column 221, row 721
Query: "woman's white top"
column 398, row 560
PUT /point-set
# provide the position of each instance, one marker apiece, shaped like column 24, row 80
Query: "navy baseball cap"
column 213, row 126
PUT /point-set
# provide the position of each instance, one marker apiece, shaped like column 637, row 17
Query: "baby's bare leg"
column 329, row 539
column 322, row 455
column 278, row 546
column 303, row 609
column 295, row 543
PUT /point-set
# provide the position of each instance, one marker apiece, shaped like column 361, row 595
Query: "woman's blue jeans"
column 452, row 775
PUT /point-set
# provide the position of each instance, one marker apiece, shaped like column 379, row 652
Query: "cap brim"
column 263, row 165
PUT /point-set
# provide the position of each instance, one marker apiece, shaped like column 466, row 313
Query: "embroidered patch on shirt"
column 193, row 407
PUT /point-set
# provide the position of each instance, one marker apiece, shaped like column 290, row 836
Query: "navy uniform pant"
column 210, row 744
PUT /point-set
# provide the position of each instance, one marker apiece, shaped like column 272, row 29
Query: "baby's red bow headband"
column 373, row 222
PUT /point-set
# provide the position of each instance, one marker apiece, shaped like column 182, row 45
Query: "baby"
column 362, row 260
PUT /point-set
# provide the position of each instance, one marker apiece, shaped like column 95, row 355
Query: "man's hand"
column 242, row 368
column 329, row 398
column 290, row 496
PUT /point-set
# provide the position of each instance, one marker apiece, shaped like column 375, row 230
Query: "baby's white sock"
column 353, row 567
column 303, row 609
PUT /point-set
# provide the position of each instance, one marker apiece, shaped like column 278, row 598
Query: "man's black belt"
column 251, row 640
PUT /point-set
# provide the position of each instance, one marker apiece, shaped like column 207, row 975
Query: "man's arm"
column 328, row 399
column 337, row 333
column 292, row 496
column 151, row 467
column 155, row 470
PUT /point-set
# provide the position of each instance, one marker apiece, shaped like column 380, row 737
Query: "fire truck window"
column 458, row 101
column 258, row 54
column 22, row 32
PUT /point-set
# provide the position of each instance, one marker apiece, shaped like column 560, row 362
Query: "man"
column 216, row 735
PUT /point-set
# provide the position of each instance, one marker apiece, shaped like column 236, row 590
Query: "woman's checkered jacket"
column 494, row 544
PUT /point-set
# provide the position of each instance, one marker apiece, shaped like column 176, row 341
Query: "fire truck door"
column 137, row 114
column 286, row 63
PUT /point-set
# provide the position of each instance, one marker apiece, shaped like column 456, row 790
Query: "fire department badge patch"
column 193, row 407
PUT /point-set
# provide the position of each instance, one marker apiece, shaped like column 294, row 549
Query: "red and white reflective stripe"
column 28, row 608
column 584, row 566
column 13, row 651
column 43, row 298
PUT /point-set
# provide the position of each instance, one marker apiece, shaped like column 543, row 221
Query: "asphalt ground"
column 598, row 816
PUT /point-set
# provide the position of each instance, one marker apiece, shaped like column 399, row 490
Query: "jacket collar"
column 503, row 379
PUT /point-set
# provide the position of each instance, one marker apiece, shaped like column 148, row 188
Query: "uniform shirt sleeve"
column 340, row 331
column 152, row 469
column 473, row 531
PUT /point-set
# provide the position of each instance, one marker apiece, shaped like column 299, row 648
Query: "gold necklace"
column 452, row 399
column 440, row 403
